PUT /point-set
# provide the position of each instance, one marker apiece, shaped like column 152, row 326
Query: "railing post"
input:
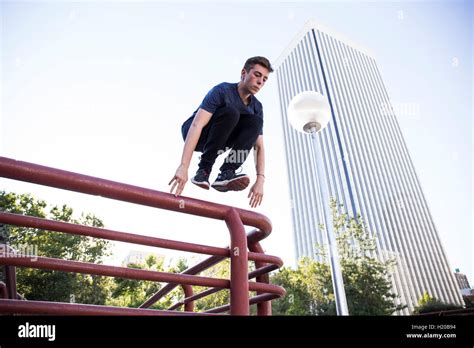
column 10, row 272
column 239, row 283
column 10, row 280
column 263, row 308
column 188, row 292
column 3, row 290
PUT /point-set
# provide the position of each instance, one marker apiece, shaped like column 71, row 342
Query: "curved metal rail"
column 243, row 247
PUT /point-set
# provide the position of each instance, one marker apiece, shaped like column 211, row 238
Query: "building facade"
column 366, row 162
column 137, row 257
column 463, row 283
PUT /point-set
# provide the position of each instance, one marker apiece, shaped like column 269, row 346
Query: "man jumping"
column 229, row 117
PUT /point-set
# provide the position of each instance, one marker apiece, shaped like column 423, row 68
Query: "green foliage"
column 132, row 293
column 308, row 289
column 217, row 299
column 222, row 297
column 428, row 304
column 180, row 266
column 35, row 284
column 366, row 279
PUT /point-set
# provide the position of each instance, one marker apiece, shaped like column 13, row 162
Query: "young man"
column 230, row 116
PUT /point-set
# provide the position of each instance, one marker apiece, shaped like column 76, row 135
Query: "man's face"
column 255, row 78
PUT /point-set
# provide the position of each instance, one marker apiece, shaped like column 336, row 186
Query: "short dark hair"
column 251, row 62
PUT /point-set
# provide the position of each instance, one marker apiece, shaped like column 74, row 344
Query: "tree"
column 36, row 284
column 428, row 304
column 132, row 293
column 222, row 297
column 217, row 299
column 366, row 279
column 307, row 289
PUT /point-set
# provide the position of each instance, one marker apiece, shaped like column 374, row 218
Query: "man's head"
column 255, row 73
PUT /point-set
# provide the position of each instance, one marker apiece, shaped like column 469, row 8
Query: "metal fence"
column 243, row 247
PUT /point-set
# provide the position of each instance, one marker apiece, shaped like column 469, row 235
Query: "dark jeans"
column 226, row 129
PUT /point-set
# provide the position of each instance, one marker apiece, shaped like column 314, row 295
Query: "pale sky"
column 102, row 87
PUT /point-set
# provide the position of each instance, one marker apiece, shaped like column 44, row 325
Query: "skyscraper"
column 366, row 161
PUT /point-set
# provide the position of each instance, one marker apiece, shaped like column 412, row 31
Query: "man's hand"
column 179, row 180
column 256, row 193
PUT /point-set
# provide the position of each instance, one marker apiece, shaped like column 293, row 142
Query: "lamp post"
column 309, row 112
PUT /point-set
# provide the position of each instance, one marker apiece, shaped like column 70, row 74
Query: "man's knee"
column 258, row 121
column 253, row 122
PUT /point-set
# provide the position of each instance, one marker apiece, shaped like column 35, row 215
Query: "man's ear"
column 242, row 74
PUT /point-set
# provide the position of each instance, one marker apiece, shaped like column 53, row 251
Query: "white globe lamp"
column 309, row 112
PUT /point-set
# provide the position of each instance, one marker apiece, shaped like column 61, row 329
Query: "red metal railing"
column 243, row 247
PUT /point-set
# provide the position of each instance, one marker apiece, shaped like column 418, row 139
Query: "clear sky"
column 102, row 87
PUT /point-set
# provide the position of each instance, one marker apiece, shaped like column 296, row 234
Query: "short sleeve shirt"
column 226, row 94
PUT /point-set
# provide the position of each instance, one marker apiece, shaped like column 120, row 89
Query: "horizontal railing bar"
column 111, row 271
column 129, row 273
column 58, row 308
column 65, row 227
column 42, row 175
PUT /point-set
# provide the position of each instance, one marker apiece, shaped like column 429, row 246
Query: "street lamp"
column 309, row 112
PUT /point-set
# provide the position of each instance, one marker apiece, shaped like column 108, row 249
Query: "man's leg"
column 241, row 141
column 213, row 138
column 216, row 134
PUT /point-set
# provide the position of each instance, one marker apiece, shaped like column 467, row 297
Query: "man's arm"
column 256, row 192
column 180, row 178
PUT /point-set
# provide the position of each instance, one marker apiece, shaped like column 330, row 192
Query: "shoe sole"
column 237, row 184
column 203, row 185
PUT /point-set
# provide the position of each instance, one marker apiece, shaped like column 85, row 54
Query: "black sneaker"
column 201, row 178
column 227, row 180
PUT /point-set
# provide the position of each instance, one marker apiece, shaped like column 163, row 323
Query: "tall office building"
column 366, row 162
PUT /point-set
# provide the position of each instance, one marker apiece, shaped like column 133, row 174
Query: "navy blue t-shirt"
column 226, row 94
